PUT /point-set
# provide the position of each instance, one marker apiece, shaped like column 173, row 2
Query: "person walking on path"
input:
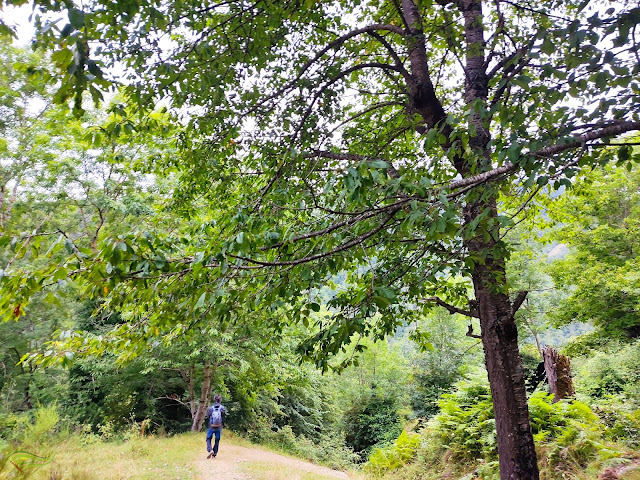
column 215, row 419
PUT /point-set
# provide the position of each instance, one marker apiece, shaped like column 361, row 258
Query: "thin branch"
column 352, row 157
column 396, row 58
column 330, row 46
column 533, row 10
column 345, row 246
column 365, row 111
column 450, row 308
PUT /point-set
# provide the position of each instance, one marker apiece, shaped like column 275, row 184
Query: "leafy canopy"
column 321, row 137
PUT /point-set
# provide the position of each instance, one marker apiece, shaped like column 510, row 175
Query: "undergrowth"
column 573, row 440
column 326, row 449
column 40, row 445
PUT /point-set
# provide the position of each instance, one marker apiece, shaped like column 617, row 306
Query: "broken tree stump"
column 558, row 370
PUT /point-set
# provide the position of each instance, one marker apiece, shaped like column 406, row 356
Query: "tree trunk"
column 499, row 334
column 205, row 397
column 516, row 451
column 558, row 370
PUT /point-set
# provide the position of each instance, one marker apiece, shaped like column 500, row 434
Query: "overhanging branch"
column 547, row 152
column 450, row 308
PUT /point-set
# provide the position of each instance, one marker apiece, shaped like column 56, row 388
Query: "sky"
column 18, row 17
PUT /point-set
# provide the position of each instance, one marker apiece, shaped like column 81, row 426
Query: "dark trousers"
column 217, row 431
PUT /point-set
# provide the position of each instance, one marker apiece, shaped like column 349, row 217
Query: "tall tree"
column 382, row 139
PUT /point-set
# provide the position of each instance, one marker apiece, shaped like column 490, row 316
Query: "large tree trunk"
column 205, row 397
column 499, row 334
column 516, row 451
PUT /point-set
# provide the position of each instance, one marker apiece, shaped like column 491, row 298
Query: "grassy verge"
column 169, row 458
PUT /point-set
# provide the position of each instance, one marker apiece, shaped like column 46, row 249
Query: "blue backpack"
column 215, row 420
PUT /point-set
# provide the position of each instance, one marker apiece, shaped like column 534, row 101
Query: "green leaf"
column 378, row 164
column 200, row 303
column 624, row 153
column 76, row 18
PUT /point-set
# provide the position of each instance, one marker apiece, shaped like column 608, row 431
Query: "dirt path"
column 251, row 463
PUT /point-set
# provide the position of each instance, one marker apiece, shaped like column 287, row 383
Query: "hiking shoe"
column 215, row 455
column 211, row 454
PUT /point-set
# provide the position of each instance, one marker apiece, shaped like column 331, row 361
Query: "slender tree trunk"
column 516, row 450
column 192, row 395
column 205, row 397
column 537, row 340
column 2, row 195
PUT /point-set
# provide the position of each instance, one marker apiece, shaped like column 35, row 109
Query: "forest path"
column 235, row 462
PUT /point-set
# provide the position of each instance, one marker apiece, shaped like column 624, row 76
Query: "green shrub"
column 326, row 449
column 372, row 421
column 394, row 456
column 569, row 434
column 550, row 420
column 621, row 426
column 615, row 372
column 466, row 425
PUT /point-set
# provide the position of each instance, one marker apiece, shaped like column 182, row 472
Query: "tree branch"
column 451, row 309
column 517, row 302
column 330, row 46
column 581, row 140
column 352, row 157
column 365, row 111
column 308, row 112
column 345, row 246
column 396, row 58
column 578, row 141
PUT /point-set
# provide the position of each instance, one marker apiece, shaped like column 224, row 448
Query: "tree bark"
column 558, row 370
column 205, row 397
column 516, row 449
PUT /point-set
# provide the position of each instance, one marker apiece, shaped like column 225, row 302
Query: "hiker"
column 214, row 418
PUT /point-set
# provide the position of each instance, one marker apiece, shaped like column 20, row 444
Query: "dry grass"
column 269, row 471
column 631, row 475
column 181, row 457
column 145, row 458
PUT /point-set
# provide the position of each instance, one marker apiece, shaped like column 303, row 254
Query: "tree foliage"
column 372, row 421
column 600, row 225
column 396, row 143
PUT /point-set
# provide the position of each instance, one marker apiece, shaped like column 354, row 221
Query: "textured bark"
column 205, row 397
column 558, row 370
column 516, row 450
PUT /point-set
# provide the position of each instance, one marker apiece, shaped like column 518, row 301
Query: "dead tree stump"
column 558, row 370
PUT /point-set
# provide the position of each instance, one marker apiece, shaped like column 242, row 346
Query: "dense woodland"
column 361, row 225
